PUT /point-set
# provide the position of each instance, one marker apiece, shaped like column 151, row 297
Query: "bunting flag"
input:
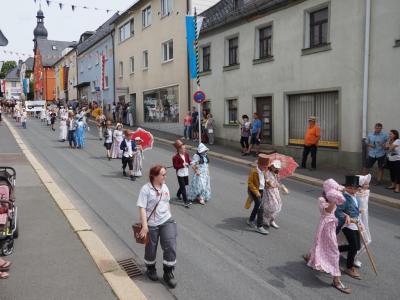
column 74, row 6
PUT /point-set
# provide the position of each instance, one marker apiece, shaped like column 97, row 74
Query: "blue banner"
column 191, row 37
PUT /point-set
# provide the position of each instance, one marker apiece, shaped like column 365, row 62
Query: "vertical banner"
column 191, row 37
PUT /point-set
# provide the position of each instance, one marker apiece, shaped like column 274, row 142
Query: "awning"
column 82, row 84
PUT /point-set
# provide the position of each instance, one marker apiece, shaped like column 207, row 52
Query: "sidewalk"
column 49, row 260
column 378, row 193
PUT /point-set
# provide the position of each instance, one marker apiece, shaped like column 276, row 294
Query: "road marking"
column 123, row 286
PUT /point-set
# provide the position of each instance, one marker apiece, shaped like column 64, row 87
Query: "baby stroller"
column 8, row 210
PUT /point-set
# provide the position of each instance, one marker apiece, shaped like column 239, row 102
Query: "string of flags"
column 26, row 55
column 74, row 7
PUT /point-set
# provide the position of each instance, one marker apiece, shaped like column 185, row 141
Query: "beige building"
column 151, row 70
column 66, row 76
column 287, row 60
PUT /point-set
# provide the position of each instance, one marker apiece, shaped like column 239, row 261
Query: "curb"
column 377, row 198
column 123, row 287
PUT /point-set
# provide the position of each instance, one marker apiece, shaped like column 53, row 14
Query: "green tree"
column 7, row 67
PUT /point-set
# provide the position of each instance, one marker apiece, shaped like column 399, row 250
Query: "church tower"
column 40, row 31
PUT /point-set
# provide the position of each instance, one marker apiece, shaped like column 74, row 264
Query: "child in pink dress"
column 324, row 254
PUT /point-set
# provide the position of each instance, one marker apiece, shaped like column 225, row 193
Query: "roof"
column 100, row 33
column 223, row 13
column 13, row 74
column 51, row 50
column 29, row 64
column 3, row 39
column 129, row 10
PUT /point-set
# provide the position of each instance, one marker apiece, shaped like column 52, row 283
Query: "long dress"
column 363, row 197
column 63, row 130
column 80, row 135
column 116, row 152
column 324, row 254
column 137, row 162
column 273, row 202
column 200, row 186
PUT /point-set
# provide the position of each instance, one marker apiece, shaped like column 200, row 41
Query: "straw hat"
column 276, row 163
column 263, row 160
column 178, row 144
column 119, row 124
column 202, row 148
column 312, row 118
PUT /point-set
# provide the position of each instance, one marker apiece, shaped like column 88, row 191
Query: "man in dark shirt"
column 195, row 124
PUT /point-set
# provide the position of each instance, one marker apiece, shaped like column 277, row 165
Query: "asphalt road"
column 218, row 256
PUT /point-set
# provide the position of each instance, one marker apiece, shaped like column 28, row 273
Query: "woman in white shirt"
column 118, row 136
column 157, row 223
column 393, row 147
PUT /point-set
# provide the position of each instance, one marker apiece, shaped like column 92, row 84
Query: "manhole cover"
column 130, row 267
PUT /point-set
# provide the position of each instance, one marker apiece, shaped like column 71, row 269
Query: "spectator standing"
column 113, row 112
column 255, row 135
column 393, row 147
column 195, row 124
column 245, row 133
column 376, row 151
column 187, row 125
column 53, row 116
column 210, row 129
column 24, row 117
column 311, row 139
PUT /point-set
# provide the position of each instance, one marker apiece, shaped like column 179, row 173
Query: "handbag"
column 137, row 227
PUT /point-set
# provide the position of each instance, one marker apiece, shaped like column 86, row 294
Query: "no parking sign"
column 199, row 97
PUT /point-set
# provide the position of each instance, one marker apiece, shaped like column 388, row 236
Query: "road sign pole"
column 196, row 44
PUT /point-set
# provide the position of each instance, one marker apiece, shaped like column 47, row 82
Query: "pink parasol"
column 288, row 164
column 147, row 138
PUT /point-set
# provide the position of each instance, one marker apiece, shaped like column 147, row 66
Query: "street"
column 219, row 257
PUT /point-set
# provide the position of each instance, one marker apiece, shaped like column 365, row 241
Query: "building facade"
column 288, row 60
column 12, row 84
column 151, row 70
column 26, row 77
column 95, row 66
column 66, row 76
column 46, row 53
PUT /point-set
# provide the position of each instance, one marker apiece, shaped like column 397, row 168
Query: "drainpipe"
column 113, row 63
column 189, row 81
column 366, row 67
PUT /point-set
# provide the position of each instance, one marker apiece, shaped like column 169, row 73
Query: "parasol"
column 288, row 164
column 146, row 136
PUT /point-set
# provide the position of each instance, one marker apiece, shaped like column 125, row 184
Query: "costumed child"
column 118, row 136
column 128, row 147
column 63, row 129
column 256, row 191
column 108, row 138
column 138, row 158
column 324, row 255
column 363, row 196
column 273, row 201
column 200, row 186
column 80, row 133
column 181, row 162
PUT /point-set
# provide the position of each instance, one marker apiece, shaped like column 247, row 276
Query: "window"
column 161, row 105
column 233, row 46
column 168, row 51
column 323, row 105
column 166, row 7
column 132, row 64
column 145, row 59
column 121, row 69
column 231, row 111
column 146, row 17
column 206, row 51
column 93, row 85
column 319, row 27
column 235, row 4
column 265, row 42
column 13, row 84
column 106, row 82
column 126, row 30
column 97, row 58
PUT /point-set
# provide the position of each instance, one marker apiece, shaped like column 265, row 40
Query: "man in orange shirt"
column 311, row 140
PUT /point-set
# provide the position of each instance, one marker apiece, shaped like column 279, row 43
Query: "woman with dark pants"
column 393, row 156
column 158, row 225
column 181, row 162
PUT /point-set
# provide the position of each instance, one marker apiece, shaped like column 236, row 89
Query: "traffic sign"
column 199, row 97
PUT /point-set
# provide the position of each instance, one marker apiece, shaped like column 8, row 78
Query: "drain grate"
column 130, row 267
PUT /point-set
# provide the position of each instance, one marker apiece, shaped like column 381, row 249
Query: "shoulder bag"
column 137, row 227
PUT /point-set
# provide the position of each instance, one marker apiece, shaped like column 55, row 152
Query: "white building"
column 289, row 59
column 12, row 83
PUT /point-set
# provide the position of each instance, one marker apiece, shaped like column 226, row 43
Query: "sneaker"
column 133, row 178
column 273, row 224
column 262, row 230
column 251, row 224
column 187, row 204
column 357, row 264
column 124, row 173
column 169, row 277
